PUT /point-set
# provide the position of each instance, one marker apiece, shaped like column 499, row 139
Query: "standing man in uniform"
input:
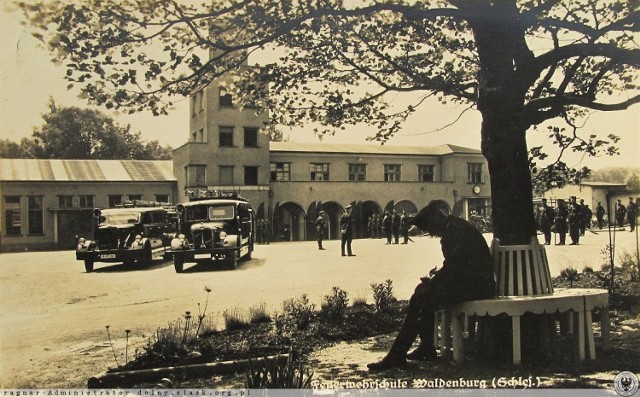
column 632, row 213
column 621, row 211
column 386, row 225
column 466, row 274
column 546, row 221
column 346, row 231
column 600, row 215
column 395, row 226
column 404, row 227
column 575, row 220
column 320, row 226
column 560, row 224
column 586, row 218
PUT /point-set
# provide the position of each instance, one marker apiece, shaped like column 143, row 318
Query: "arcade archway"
column 289, row 222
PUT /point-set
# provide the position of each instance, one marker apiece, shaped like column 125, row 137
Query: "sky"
column 28, row 79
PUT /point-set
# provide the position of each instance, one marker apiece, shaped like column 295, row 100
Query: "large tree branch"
column 611, row 51
column 536, row 105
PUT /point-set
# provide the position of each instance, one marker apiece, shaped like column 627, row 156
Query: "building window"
column 426, row 173
column 225, row 98
column 201, row 108
column 36, row 218
column 392, row 172
column 358, row 172
column 86, row 201
column 226, row 136
column 115, row 200
column 475, row 172
column 280, row 172
column 135, row 197
column 162, row 198
column 12, row 219
column 65, row 201
column 198, row 136
column 226, row 175
column 194, row 100
column 196, row 175
column 251, row 176
column 319, row 171
column 250, row 137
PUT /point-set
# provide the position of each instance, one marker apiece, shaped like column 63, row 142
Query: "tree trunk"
column 501, row 48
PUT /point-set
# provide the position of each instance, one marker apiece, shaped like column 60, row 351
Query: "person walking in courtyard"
column 632, row 213
column 546, row 221
column 560, row 224
column 621, row 211
column 320, row 227
column 600, row 215
column 575, row 220
column 395, row 226
column 466, row 274
column 346, row 231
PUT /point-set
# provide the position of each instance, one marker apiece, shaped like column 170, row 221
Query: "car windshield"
column 121, row 218
column 209, row 212
column 221, row 212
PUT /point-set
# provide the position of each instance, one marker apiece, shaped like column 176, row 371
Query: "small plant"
column 202, row 314
column 570, row 274
column 383, row 295
column 259, row 314
column 235, row 319
column 300, row 311
column 275, row 374
column 281, row 328
column 335, row 304
column 359, row 301
column 587, row 269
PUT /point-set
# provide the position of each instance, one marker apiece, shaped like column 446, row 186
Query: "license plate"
column 107, row 256
column 202, row 256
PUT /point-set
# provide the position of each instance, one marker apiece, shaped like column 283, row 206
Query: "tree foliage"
column 74, row 133
column 520, row 63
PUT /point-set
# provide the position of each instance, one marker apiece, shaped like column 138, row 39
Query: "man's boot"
column 423, row 353
column 388, row 362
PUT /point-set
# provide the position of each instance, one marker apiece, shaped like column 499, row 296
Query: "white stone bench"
column 523, row 285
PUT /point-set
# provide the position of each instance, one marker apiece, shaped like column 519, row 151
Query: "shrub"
column 629, row 265
column 274, row 374
column 300, row 311
column 587, row 269
column 259, row 314
column 235, row 319
column 383, row 295
column 335, row 304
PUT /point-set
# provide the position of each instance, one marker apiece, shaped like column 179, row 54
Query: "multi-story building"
column 44, row 204
column 288, row 183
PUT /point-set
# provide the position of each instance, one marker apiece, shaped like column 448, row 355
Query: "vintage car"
column 214, row 228
column 135, row 232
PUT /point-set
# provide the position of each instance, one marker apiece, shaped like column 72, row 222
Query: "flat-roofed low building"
column 44, row 204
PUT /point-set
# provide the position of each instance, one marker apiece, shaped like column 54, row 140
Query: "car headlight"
column 223, row 235
column 81, row 242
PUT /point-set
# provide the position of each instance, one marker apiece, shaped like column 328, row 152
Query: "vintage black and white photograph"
column 320, row 194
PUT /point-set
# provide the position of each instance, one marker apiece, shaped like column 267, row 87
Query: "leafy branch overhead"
column 520, row 63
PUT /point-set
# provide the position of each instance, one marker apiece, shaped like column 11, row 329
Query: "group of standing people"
column 346, row 231
column 574, row 217
column 390, row 225
column 630, row 212
column 570, row 216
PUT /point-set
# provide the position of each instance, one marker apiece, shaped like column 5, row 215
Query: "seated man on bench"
column 466, row 274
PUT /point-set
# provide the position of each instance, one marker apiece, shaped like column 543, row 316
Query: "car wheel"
column 178, row 263
column 88, row 266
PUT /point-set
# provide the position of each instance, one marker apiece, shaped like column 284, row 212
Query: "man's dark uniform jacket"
column 467, row 270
